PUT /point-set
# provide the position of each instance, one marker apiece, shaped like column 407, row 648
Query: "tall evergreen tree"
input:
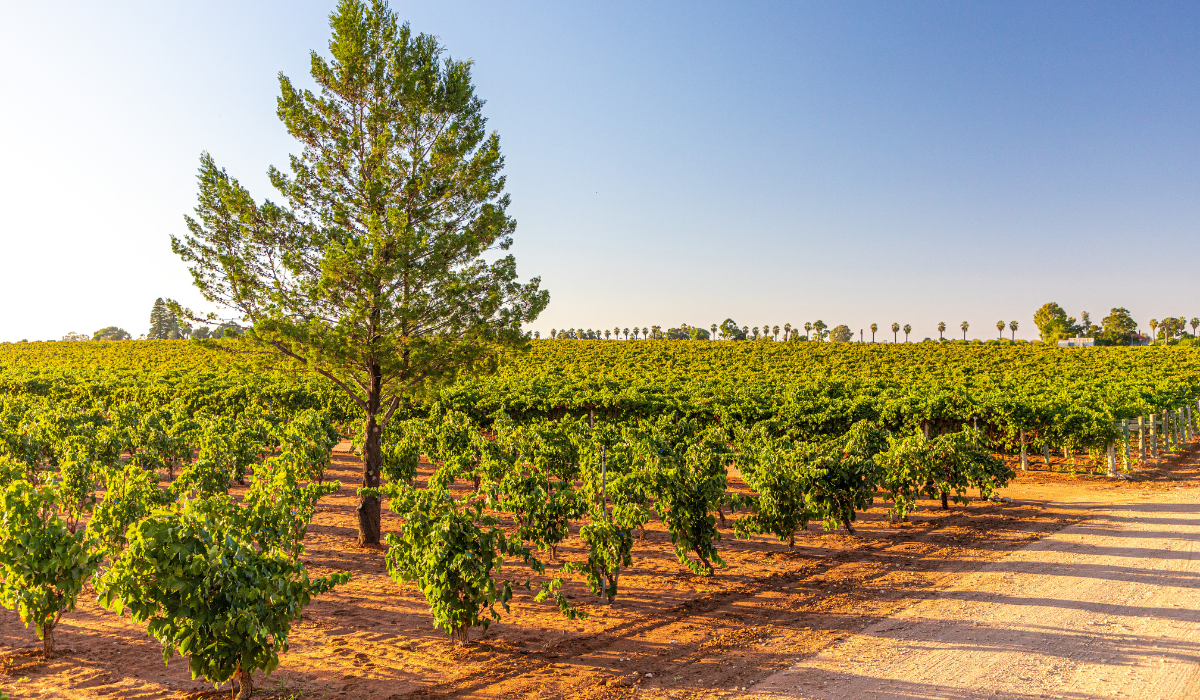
column 375, row 270
column 163, row 323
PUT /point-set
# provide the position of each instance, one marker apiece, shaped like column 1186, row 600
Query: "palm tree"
column 755, row 331
column 820, row 327
column 907, row 330
column 626, row 334
column 941, row 329
column 553, row 334
column 1000, row 327
column 874, row 328
column 775, row 332
column 787, row 332
column 745, row 330
column 1012, row 326
column 1195, row 322
column 895, row 330
column 964, row 327
column 607, row 334
column 617, row 333
column 537, row 335
column 1153, row 326
column 713, row 328
column 807, row 329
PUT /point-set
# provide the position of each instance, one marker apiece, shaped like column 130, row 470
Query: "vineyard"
column 176, row 481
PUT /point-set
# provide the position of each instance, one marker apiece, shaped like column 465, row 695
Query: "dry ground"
column 670, row 634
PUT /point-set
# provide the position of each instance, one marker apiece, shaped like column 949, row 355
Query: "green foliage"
column 612, row 470
column 203, row 478
column 207, row 590
column 729, row 330
column 1119, row 328
column 311, row 437
column 234, row 445
column 111, row 333
column 847, row 475
column 131, row 493
column 841, row 334
column 79, row 471
column 795, row 483
column 685, row 466
column 1053, row 323
column 948, row 464
column 280, row 506
column 43, row 565
column 454, row 552
column 533, row 469
column 163, row 323
column 780, row 476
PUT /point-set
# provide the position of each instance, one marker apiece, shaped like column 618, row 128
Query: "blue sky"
column 668, row 162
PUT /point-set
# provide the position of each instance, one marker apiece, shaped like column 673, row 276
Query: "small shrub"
column 43, row 565
column 194, row 574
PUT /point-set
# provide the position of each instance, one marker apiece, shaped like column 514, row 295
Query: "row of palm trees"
column 941, row 326
column 755, row 333
column 589, row 334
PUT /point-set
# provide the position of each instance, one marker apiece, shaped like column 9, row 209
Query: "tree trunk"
column 47, row 640
column 462, row 635
column 368, row 506
column 945, row 501
column 243, row 686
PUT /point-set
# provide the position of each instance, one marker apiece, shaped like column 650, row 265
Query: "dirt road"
column 1106, row 608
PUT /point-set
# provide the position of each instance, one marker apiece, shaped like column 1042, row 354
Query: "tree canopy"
column 111, row 333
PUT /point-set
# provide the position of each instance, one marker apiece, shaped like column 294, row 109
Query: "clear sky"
column 668, row 162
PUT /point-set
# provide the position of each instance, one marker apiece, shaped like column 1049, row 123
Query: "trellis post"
column 1153, row 435
column 1141, row 438
column 1112, row 460
column 1024, row 456
column 1125, row 443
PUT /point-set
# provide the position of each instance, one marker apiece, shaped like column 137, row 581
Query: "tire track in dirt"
column 1105, row 608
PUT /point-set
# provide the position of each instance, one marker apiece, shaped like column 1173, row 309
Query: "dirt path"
column 1109, row 607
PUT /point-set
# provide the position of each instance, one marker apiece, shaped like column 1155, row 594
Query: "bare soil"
column 670, row 633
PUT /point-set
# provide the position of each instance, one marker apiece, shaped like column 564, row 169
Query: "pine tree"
column 163, row 324
column 384, row 269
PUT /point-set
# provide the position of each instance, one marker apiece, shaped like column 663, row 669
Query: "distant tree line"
column 164, row 325
column 1053, row 324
